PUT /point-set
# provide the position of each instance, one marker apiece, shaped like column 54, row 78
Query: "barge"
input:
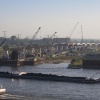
column 49, row 77
column 91, row 60
column 15, row 60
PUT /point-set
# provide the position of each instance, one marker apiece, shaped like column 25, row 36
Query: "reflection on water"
column 46, row 90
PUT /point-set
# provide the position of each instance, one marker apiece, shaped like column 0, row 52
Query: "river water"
column 24, row 89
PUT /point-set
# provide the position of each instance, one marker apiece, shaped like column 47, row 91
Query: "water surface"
column 21, row 89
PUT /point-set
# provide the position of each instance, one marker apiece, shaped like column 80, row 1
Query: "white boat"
column 2, row 90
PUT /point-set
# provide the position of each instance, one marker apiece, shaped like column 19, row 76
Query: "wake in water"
column 14, row 97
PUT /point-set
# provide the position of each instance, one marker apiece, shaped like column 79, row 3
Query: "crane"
column 53, row 35
column 82, row 34
column 36, row 33
column 74, row 29
column 51, row 38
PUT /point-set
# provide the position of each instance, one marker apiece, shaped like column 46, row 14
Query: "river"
column 24, row 89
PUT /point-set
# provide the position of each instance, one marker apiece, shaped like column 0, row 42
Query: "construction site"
column 51, row 46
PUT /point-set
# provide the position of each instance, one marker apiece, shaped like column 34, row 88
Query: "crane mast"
column 82, row 34
column 36, row 33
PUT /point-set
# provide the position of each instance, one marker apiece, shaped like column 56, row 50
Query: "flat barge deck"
column 48, row 77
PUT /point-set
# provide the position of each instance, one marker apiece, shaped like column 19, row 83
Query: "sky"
column 24, row 17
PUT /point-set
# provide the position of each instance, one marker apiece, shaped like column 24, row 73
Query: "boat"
column 15, row 60
column 48, row 77
column 91, row 60
column 2, row 90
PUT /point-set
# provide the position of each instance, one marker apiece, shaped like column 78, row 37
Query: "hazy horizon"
column 26, row 16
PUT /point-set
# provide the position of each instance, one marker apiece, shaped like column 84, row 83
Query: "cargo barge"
column 48, row 77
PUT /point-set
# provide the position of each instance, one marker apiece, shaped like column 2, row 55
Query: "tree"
column 13, row 39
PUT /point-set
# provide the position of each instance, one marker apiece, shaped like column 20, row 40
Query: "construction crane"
column 51, row 38
column 73, row 29
column 53, row 35
column 36, row 33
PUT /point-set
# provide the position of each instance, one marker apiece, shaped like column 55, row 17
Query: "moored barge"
column 91, row 60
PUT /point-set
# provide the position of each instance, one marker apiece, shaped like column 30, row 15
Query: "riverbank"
column 75, row 63
column 52, row 61
column 57, row 60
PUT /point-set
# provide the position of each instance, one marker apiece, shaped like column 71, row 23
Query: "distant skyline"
column 26, row 16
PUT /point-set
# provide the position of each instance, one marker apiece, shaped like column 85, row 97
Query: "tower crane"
column 34, row 36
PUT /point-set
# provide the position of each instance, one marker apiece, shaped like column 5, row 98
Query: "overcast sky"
column 26, row 16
